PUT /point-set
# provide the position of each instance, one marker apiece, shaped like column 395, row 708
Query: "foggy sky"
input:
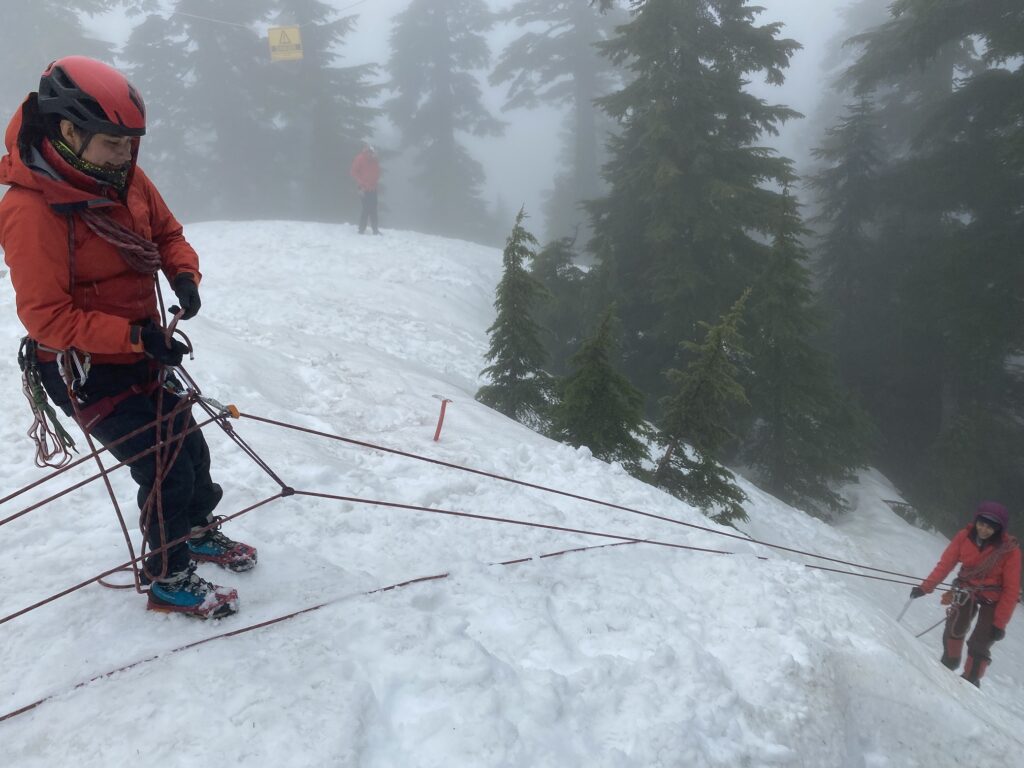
column 520, row 164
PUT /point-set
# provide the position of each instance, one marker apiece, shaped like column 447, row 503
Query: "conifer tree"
column 435, row 47
column 556, row 62
column 676, row 237
column 858, row 275
column 562, row 310
column 695, row 427
column 952, row 225
column 322, row 107
column 519, row 387
column 806, row 436
column 598, row 407
column 35, row 33
column 210, row 123
column 840, row 52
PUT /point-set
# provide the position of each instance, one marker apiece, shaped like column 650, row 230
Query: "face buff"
column 117, row 178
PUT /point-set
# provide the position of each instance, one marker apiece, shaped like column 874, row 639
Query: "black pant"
column 188, row 494
column 369, row 211
column 958, row 624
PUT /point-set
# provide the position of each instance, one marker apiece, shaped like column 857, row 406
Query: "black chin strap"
column 86, row 140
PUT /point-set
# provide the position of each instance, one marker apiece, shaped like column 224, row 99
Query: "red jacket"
column 1003, row 576
column 366, row 171
column 81, row 295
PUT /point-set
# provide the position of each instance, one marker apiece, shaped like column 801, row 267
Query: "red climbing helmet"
column 92, row 95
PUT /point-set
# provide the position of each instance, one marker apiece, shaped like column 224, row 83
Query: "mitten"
column 187, row 291
column 154, row 344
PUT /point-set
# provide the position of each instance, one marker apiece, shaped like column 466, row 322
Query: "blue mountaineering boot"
column 185, row 592
column 212, row 546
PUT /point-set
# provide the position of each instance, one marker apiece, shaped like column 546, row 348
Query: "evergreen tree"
column 38, row 32
column 210, row 121
column 698, row 413
column 952, row 223
column 806, row 436
column 435, row 47
column 556, row 62
column 519, row 386
column 856, row 269
column 598, row 407
column 323, row 108
column 561, row 310
column 676, row 238
column 840, row 52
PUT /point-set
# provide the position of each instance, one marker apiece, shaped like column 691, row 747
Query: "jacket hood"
column 35, row 172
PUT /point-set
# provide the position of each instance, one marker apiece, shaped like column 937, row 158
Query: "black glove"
column 998, row 634
column 916, row 592
column 187, row 291
column 154, row 344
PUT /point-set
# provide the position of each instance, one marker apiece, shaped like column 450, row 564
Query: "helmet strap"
column 86, row 140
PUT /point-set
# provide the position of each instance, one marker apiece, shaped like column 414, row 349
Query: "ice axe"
column 909, row 601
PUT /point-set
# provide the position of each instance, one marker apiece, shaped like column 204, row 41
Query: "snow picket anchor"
column 440, row 418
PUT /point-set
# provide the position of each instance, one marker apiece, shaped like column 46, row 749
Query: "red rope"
column 286, row 491
column 138, row 252
column 132, row 562
column 286, row 617
column 89, row 457
column 570, row 495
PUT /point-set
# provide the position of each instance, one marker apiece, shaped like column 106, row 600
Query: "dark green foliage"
column 519, row 386
column 198, row 104
column 322, row 108
column 806, row 436
column 858, row 275
column 255, row 138
column 435, row 47
column 949, row 223
column 556, row 62
column 978, row 456
column 35, row 33
column 598, row 407
column 676, row 237
column 695, row 425
column 561, row 312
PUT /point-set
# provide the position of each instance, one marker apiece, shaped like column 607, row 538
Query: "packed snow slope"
column 621, row 656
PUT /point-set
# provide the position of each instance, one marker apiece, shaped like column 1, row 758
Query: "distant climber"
column 366, row 171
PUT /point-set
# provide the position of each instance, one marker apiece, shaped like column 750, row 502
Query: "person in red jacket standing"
column 988, row 586
column 85, row 234
column 366, row 171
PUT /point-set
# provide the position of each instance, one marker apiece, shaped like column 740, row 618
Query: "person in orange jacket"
column 366, row 171
column 987, row 586
column 85, row 234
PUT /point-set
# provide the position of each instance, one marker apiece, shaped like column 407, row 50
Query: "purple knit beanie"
column 993, row 512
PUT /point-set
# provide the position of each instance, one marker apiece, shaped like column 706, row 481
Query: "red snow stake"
column 440, row 419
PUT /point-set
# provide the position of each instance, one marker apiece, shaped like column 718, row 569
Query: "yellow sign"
column 285, row 43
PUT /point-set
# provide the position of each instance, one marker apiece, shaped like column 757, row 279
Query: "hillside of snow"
column 626, row 656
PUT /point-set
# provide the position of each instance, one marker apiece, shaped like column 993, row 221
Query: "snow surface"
column 634, row 655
